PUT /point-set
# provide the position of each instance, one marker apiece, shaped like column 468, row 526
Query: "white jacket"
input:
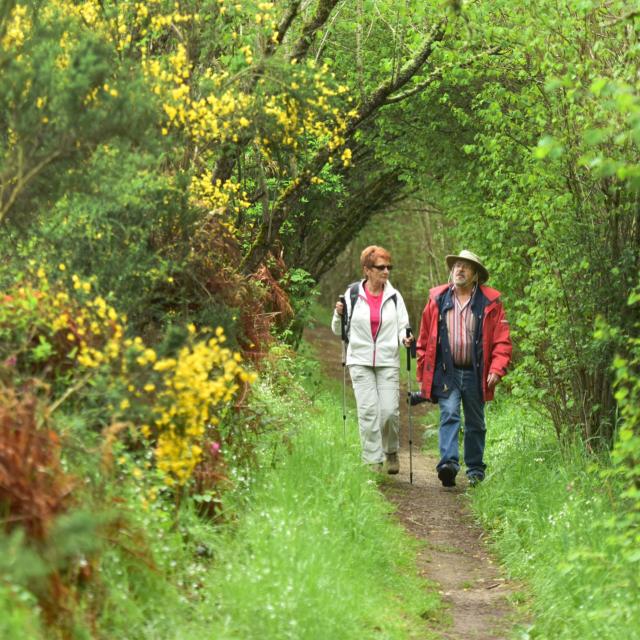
column 363, row 349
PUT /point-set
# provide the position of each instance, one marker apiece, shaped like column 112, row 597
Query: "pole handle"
column 411, row 349
column 343, row 318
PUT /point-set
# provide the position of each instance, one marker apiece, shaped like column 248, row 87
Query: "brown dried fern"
column 34, row 489
column 33, row 485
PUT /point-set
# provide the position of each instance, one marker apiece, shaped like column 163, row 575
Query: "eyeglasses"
column 382, row 267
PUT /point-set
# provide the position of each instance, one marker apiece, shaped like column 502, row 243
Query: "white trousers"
column 377, row 391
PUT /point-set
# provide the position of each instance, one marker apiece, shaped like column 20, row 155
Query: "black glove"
column 415, row 397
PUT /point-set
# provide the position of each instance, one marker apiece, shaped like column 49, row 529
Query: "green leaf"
column 43, row 351
column 598, row 85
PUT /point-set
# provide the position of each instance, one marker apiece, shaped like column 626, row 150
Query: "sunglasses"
column 382, row 267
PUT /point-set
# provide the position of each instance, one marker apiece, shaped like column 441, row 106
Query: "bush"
column 552, row 519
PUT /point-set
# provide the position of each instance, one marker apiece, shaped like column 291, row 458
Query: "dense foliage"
column 178, row 174
column 155, row 159
column 524, row 148
column 552, row 161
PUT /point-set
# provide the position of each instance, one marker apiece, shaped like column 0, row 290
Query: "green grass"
column 16, row 614
column 316, row 554
column 553, row 521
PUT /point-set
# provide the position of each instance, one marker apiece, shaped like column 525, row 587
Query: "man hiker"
column 464, row 349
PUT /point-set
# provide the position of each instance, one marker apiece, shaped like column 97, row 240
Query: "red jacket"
column 496, row 341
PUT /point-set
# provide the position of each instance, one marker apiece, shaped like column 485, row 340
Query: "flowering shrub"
column 141, row 115
column 45, row 332
column 183, row 396
column 210, row 106
column 169, row 402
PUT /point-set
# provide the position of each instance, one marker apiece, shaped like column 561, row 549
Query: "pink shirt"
column 375, row 302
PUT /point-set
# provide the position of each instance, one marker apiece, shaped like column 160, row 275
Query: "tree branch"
column 323, row 11
column 22, row 181
column 630, row 15
column 289, row 199
column 283, row 27
column 436, row 75
column 225, row 164
column 408, row 70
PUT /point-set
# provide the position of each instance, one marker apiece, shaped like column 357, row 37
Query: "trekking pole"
column 411, row 352
column 343, row 327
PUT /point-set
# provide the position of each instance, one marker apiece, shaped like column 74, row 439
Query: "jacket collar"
column 490, row 294
column 483, row 296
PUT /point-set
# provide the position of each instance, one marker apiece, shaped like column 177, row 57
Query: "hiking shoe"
column 393, row 464
column 447, row 475
column 376, row 467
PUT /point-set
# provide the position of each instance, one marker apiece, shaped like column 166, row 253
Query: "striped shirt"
column 461, row 325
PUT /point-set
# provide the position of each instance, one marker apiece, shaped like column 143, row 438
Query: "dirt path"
column 454, row 554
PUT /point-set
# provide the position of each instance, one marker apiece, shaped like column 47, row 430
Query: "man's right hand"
column 339, row 308
column 416, row 397
column 492, row 380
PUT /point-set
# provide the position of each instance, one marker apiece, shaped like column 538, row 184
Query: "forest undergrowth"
column 555, row 519
column 293, row 550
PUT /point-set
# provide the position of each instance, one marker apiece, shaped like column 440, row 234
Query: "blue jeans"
column 465, row 391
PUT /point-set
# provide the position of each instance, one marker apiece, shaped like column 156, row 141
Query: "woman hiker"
column 377, row 323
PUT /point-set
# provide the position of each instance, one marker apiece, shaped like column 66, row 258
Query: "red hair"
column 370, row 254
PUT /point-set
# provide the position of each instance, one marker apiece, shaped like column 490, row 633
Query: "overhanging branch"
column 323, row 11
column 290, row 198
